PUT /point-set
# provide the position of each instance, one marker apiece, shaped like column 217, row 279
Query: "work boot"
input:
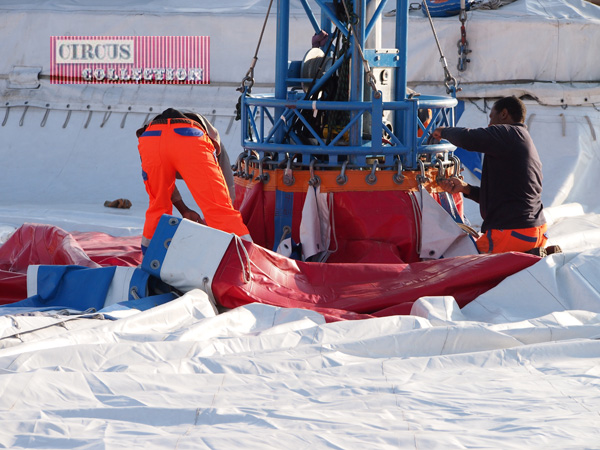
column 537, row 251
column 552, row 249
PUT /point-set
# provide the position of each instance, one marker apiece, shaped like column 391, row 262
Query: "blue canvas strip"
column 157, row 249
column 284, row 204
column 138, row 284
column 523, row 237
column 148, row 133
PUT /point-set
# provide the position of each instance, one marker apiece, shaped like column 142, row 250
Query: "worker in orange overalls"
column 173, row 145
column 510, row 195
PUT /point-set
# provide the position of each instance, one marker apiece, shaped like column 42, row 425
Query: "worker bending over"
column 172, row 144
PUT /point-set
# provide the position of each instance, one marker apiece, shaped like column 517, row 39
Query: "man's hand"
column 455, row 185
column 193, row 216
column 437, row 133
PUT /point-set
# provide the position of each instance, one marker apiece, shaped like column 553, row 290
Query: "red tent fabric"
column 46, row 244
column 337, row 290
column 355, row 291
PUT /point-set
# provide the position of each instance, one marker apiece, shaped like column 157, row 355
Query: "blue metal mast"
column 287, row 126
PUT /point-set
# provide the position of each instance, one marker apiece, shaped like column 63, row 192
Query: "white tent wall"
column 54, row 136
column 535, row 40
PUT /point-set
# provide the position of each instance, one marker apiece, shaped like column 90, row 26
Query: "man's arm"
column 183, row 209
column 455, row 185
column 482, row 140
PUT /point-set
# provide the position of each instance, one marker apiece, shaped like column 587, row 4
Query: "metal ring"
column 155, row 264
column 134, row 293
column 441, row 171
column 173, row 221
column 288, row 180
column 314, row 179
column 167, row 242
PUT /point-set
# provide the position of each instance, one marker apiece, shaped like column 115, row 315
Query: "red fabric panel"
column 383, row 222
column 108, row 250
column 370, row 226
column 354, row 291
column 33, row 244
column 251, row 204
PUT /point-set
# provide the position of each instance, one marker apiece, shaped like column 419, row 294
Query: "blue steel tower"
column 344, row 109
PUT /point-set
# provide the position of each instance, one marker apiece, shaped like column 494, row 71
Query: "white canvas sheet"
column 178, row 377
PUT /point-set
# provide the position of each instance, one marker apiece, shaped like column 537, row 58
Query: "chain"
column 463, row 45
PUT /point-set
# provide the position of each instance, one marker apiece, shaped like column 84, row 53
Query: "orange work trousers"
column 517, row 240
column 184, row 147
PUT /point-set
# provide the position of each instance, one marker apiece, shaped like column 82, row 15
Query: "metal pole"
column 357, row 76
column 401, row 117
column 281, row 61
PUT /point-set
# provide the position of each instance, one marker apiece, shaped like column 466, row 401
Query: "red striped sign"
column 130, row 59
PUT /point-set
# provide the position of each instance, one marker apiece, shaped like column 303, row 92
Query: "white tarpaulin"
column 177, row 376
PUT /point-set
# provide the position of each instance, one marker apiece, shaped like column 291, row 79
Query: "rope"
column 248, row 80
column 247, row 274
column 449, row 80
column 415, row 208
column 332, row 215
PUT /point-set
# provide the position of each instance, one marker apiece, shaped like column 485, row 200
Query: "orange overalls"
column 518, row 240
column 169, row 146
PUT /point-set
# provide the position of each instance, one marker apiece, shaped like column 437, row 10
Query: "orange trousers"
column 518, row 240
column 166, row 149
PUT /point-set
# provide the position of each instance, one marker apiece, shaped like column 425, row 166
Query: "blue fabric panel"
column 139, row 281
column 141, row 304
column 191, row 131
column 157, row 250
column 444, row 8
column 151, row 133
column 471, row 160
column 284, row 203
column 68, row 287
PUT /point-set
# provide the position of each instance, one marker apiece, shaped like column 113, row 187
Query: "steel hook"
column 261, row 175
column 238, row 165
column 288, row 174
column 422, row 178
column 399, row 176
column 342, row 179
column 372, row 178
